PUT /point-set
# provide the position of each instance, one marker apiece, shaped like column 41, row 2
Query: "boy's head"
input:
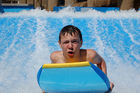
column 70, row 29
column 70, row 41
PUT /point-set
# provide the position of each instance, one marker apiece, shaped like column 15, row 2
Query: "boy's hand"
column 111, row 86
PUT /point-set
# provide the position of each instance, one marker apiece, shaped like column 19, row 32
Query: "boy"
column 70, row 40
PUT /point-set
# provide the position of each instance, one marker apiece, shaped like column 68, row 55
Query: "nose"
column 70, row 45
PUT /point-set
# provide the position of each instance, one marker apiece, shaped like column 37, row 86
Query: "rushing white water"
column 27, row 39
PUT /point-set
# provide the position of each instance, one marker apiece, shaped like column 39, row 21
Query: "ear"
column 60, row 44
column 81, row 43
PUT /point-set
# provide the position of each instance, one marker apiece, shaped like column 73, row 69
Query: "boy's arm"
column 102, row 65
column 97, row 59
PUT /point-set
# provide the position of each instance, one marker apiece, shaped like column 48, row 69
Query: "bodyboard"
column 83, row 77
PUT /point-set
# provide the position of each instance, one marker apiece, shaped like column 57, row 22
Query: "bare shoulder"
column 93, row 56
column 55, row 56
column 55, row 53
column 91, row 53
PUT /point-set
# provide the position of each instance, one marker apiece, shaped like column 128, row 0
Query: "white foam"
column 70, row 12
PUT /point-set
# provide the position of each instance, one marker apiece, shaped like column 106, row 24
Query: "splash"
column 28, row 38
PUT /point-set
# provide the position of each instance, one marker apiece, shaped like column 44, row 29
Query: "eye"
column 65, row 42
column 75, row 41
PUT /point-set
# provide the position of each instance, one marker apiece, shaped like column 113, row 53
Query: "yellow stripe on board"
column 63, row 65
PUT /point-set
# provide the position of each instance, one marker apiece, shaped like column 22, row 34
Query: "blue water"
column 17, row 8
column 78, row 9
column 28, row 38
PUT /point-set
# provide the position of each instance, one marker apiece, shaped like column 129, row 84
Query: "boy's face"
column 70, row 45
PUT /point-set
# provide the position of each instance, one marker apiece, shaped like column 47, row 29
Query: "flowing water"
column 28, row 38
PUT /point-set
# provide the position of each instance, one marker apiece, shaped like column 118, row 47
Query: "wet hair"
column 70, row 29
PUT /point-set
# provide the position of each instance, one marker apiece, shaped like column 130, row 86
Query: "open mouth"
column 71, row 54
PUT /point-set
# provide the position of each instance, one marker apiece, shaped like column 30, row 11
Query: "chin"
column 71, row 56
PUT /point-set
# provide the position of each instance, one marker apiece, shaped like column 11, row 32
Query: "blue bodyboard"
column 83, row 77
